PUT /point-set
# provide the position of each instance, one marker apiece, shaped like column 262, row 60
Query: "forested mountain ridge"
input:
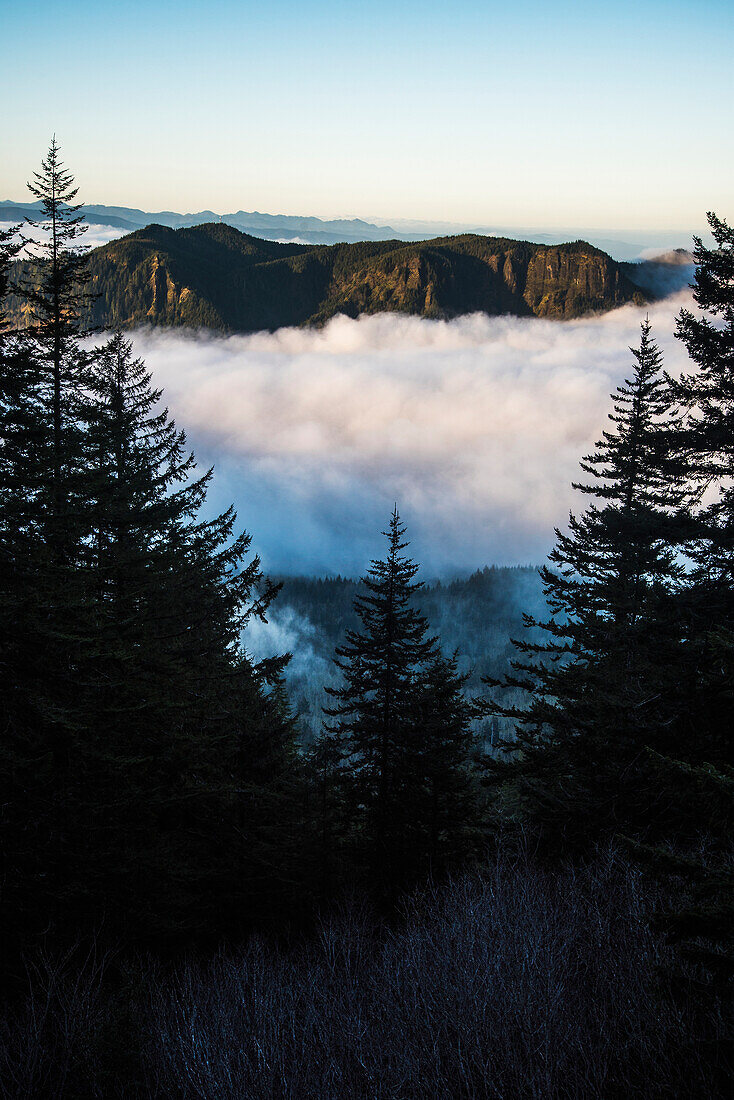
column 216, row 277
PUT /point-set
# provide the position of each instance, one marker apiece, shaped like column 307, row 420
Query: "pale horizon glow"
column 609, row 115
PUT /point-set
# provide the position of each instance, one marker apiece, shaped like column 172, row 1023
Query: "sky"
column 571, row 113
column 475, row 427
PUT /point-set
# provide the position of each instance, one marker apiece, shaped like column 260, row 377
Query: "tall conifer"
column 697, row 773
column 183, row 731
column 401, row 726
column 41, row 510
column 55, row 292
column 600, row 683
column 148, row 764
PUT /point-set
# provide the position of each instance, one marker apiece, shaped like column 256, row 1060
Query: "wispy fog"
column 474, row 426
column 664, row 274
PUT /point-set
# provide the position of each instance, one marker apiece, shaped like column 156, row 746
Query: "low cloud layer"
column 474, row 426
column 95, row 235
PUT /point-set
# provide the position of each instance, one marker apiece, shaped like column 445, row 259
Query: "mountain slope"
column 214, row 276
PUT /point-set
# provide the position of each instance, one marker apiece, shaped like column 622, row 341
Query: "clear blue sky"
column 554, row 113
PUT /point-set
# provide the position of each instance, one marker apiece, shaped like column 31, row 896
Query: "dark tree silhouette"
column 697, row 773
column 56, row 293
column 148, row 771
column 600, row 682
column 401, row 726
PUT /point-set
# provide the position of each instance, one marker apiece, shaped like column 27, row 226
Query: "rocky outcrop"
column 569, row 284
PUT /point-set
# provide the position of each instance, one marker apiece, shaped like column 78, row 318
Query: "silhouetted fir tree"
column 400, row 719
column 698, row 777
column 148, row 770
column 56, row 292
column 179, row 732
column 601, row 682
column 707, row 438
column 40, row 523
column 708, row 394
column 381, row 665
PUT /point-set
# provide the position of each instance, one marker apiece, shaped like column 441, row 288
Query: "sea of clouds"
column 474, row 427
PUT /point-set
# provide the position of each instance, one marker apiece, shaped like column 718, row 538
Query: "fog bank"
column 474, row 426
column 94, row 236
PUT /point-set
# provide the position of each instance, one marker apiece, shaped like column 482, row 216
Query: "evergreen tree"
column 56, row 293
column 600, row 683
column 400, row 720
column 181, row 733
column 707, row 438
column 148, row 772
column 708, row 395
column 45, row 462
column 697, row 778
column 42, row 608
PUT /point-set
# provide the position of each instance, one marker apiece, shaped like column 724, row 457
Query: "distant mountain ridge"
column 630, row 246
column 213, row 276
column 268, row 226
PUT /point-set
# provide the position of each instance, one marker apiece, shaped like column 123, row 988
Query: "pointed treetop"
column 54, row 186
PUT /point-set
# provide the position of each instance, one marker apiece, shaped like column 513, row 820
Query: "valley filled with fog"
column 367, row 551
column 475, row 427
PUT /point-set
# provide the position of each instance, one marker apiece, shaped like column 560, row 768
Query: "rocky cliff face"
column 564, row 284
column 454, row 276
column 215, row 277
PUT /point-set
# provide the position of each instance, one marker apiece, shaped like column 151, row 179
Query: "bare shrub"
column 515, row 982
column 50, row 1038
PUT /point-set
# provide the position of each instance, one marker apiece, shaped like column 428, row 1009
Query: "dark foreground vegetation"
column 176, row 862
column 511, row 982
